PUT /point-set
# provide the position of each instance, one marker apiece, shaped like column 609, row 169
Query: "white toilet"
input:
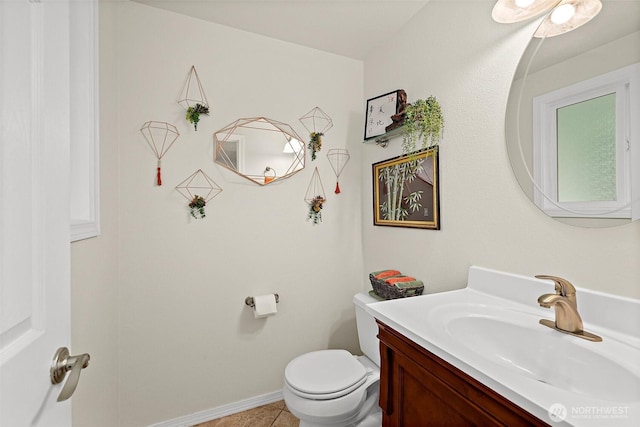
column 334, row 387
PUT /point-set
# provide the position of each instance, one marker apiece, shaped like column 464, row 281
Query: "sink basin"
column 547, row 356
column 491, row 331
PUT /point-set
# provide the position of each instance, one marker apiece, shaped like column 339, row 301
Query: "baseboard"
column 222, row 411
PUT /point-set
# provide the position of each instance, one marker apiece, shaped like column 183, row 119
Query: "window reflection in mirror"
column 259, row 149
column 587, row 151
column 582, row 145
column 231, row 154
column 609, row 42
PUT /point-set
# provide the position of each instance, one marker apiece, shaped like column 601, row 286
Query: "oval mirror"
column 259, row 149
column 572, row 122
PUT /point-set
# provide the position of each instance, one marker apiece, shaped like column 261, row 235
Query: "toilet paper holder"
column 249, row 300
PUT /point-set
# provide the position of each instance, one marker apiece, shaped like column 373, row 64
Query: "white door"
column 34, row 208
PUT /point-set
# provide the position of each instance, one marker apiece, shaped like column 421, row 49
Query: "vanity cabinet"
column 418, row 388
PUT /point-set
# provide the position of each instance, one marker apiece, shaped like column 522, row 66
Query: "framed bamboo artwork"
column 405, row 191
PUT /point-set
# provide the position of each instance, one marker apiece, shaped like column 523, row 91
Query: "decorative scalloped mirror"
column 562, row 66
column 259, row 149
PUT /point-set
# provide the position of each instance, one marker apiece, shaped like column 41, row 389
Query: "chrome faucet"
column 564, row 302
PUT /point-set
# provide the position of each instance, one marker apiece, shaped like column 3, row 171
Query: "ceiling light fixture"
column 510, row 11
column 524, row 3
column 562, row 13
column 565, row 16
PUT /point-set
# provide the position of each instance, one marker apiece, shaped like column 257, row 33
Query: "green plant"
column 315, row 144
column 193, row 114
column 315, row 209
column 197, row 207
column 423, row 120
column 395, row 179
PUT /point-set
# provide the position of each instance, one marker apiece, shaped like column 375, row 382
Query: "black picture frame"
column 378, row 113
column 406, row 191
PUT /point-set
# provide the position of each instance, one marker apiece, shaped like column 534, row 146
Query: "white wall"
column 94, row 264
column 467, row 61
column 187, row 341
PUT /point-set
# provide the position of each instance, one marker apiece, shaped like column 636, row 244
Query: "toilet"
column 334, row 387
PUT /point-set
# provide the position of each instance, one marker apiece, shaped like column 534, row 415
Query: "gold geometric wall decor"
column 251, row 146
column 317, row 122
column 315, row 198
column 160, row 136
column 193, row 98
column 198, row 189
column 338, row 158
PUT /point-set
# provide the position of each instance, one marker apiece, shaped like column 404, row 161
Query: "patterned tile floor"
column 272, row 415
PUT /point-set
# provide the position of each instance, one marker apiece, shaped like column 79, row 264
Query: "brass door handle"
column 63, row 363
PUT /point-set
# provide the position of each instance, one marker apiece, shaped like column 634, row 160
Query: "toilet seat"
column 325, row 374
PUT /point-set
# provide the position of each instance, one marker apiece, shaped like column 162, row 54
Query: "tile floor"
column 272, row 415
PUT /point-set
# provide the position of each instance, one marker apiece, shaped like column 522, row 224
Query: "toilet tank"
column 367, row 327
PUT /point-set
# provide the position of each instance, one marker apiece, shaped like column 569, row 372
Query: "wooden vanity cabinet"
column 418, row 389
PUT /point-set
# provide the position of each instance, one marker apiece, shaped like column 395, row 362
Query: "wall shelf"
column 383, row 140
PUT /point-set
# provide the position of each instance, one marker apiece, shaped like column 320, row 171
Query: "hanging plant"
column 423, row 120
column 193, row 114
column 315, row 209
column 315, row 144
column 197, row 207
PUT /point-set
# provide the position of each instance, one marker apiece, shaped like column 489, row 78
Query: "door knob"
column 63, row 363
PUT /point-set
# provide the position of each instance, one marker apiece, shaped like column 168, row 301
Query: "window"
column 585, row 160
column 84, row 142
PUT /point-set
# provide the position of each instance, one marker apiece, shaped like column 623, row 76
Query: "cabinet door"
column 423, row 399
column 420, row 398
column 418, row 388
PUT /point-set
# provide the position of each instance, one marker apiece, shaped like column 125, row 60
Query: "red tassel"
column 337, row 188
column 159, row 177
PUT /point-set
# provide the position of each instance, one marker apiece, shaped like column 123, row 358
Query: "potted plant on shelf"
column 423, row 120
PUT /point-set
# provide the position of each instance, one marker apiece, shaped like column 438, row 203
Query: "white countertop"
column 605, row 387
